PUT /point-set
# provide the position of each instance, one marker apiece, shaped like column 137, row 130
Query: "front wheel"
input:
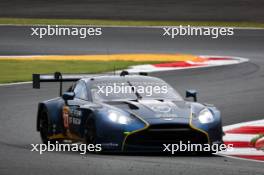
column 90, row 132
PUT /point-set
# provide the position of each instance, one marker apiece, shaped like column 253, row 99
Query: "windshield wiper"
column 133, row 88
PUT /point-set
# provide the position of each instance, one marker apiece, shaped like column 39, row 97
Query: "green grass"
column 33, row 21
column 16, row 71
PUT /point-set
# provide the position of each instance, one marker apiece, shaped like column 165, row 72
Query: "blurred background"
column 191, row 10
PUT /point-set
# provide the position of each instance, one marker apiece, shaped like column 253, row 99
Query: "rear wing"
column 56, row 77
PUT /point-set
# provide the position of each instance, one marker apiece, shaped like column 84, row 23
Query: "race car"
column 91, row 112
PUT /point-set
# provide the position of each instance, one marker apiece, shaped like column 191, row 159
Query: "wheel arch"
column 54, row 113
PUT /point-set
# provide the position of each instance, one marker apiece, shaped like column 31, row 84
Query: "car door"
column 76, row 113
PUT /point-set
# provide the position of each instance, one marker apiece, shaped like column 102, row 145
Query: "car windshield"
column 132, row 89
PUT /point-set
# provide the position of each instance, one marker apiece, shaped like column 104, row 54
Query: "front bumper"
column 152, row 138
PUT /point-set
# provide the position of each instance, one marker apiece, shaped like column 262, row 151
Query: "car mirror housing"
column 68, row 96
column 191, row 93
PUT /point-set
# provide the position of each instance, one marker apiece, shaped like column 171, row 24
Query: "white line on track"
column 212, row 63
column 14, row 84
column 243, row 152
column 239, row 158
column 239, row 137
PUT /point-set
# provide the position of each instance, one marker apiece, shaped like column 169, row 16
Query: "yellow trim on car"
column 133, row 132
column 57, row 136
column 198, row 129
column 67, row 135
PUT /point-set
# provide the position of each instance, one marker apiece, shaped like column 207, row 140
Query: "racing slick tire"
column 90, row 131
column 44, row 128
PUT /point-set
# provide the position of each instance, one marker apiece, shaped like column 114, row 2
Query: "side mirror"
column 68, row 96
column 191, row 93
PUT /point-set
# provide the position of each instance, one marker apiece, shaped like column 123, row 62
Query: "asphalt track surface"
column 237, row 90
column 202, row 10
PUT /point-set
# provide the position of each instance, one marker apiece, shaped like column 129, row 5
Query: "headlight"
column 118, row 117
column 206, row 116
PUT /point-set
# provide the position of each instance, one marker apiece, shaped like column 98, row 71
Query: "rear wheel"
column 44, row 128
